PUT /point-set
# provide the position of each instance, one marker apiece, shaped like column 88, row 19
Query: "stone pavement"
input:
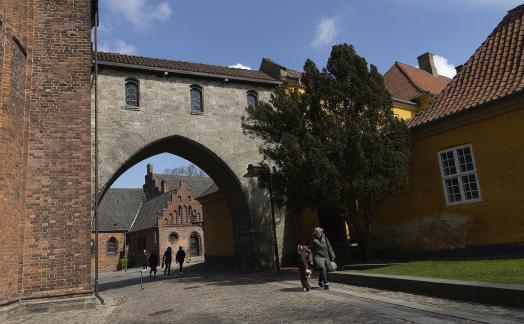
column 201, row 296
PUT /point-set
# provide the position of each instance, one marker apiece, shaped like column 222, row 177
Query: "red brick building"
column 164, row 213
column 45, row 149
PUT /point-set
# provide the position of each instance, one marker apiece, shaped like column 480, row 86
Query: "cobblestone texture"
column 199, row 297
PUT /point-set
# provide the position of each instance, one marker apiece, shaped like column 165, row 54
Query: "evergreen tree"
column 336, row 145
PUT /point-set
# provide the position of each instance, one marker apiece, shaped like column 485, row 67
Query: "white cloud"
column 444, row 67
column 118, row 46
column 141, row 13
column 240, row 66
column 327, row 29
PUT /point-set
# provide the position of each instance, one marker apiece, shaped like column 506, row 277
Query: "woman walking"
column 322, row 254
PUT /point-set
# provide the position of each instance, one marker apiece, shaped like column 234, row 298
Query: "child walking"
column 303, row 260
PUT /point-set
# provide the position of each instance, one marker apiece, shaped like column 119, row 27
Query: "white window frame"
column 459, row 174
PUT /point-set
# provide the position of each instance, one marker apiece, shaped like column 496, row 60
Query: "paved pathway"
column 203, row 297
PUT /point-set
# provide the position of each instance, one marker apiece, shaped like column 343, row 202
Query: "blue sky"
column 231, row 32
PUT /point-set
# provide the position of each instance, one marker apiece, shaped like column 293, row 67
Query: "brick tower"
column 45, row 149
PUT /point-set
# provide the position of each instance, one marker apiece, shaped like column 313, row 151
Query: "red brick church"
column 164, row 213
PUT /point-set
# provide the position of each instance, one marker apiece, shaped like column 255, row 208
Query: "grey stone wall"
column 165, row 111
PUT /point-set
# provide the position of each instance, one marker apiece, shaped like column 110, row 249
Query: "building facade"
column 164, row 213
column 464, row 195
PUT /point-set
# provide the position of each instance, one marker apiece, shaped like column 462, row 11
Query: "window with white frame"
column 459, row 174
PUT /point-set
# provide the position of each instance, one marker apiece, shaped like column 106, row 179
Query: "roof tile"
column 494, row 71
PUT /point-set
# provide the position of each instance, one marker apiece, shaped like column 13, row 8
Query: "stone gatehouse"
column 149, row 106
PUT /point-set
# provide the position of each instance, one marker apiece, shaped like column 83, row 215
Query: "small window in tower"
column 132, row 93
column 252, row 98
column 197, row 105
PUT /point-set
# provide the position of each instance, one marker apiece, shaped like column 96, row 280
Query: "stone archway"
column 213, row 139
column 228, row 182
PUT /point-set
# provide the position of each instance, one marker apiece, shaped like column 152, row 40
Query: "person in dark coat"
column 153, row 263
column 166, row 260
column 303, row 260
column 322, row 253
column 180, row 257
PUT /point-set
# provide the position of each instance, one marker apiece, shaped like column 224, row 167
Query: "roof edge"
column 182, row 72
column 472, row 114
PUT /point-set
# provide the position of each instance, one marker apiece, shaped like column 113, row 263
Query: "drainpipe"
column 96, row 161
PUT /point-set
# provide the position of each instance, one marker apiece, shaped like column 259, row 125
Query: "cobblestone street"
column 199, row 297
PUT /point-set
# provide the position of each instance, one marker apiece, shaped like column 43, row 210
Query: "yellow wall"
column 420, row 219
column 218, row 228
column 403, row 113
column 308, row 221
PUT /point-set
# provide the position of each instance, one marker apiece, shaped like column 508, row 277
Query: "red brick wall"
column 107, row 262
column 14, row 101
column 45, row 75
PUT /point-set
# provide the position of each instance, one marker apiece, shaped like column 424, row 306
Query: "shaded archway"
column 221, row 174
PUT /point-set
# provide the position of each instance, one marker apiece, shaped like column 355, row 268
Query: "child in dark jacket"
column 303, row 266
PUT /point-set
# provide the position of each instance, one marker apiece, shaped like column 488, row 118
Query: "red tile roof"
column 182, row 66
column 407, row 82
column 494, row 71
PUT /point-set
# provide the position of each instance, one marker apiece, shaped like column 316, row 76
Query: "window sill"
column 134, row 108
column 464, row 202
column 196, row 112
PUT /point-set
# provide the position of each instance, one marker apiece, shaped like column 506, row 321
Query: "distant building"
column 412, row 88
column 164, row 213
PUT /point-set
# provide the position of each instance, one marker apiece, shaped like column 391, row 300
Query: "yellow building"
column 413, row 88
column 467, row 158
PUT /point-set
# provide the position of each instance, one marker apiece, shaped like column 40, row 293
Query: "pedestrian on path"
column 303, row 266
column 166, row 261
column 180, row 257
column 146, row 258
column 153, row 263
column 322, row 253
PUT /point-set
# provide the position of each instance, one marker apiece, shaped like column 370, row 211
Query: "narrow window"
column 194, row 245
column 196, row 99
column 132, row 93
column 252, row 98
column 459, row 175
column 112, row 246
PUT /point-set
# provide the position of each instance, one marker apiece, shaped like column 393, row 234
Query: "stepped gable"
column 494, row 71
column 119, row 208
column 407, row 82
column 180, row 66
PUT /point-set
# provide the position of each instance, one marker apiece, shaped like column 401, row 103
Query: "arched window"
column 196, row 99
column 194, row 245
column 132, row 93
column 252, row 98
column 112, row 246
column 173, row 237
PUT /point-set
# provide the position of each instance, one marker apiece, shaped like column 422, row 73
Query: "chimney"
column 163, row 186
column 149, row 169
column 425, row 62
